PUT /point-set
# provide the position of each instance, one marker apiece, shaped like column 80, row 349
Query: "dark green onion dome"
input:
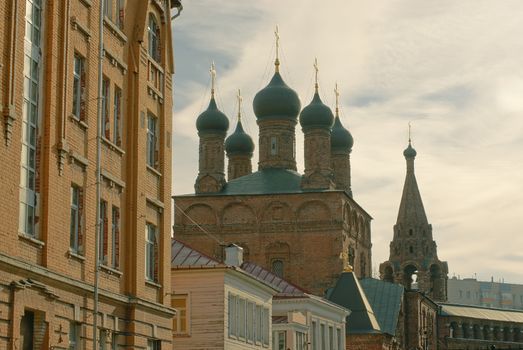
column 341, row 138
column 212, row 119
column 409, row 152
column 316, row 115
column 276, row 101
column 239, row 142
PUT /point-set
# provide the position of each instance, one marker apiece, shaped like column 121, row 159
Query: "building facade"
column 413, row 251
column 303, row 227
column 470, row 291
column 62, row 126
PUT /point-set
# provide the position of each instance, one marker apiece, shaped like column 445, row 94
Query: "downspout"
column 62, row 143
column 98, row 171
column 9, row 109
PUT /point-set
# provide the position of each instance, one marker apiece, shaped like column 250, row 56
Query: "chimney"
column 233, row 255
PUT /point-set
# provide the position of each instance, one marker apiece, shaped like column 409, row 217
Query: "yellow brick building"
column 64, row 126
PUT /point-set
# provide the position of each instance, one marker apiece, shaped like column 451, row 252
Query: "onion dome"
column 409, row 152
column 212, row 120
column 316, row 115
column 276, row 101
column 239, row 142
column 341, row 138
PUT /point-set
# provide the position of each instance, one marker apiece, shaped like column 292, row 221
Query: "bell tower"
column 413, row 260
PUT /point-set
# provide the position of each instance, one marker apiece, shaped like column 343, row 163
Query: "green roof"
column 385, row 299
column 348, row 293
column 266, row 181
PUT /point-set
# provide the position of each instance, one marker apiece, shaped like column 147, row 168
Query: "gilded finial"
column 240, row 99
column 337, row 94
column 348, row 268
column 277, row 61
column 213, row 77
column 316, row 69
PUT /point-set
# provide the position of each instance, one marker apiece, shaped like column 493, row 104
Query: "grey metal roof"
column 479, row 312
column 348, row 293
column 385, row 299
column 284, row 287
column 183, row 255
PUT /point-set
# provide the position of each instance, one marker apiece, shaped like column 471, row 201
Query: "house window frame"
column 78, row 85
column 106, row 117
column 151, row 237
column 117, row 116
column 75, row 230
column 115, row 237
column 153, row 37
column 182, row 314
column 152, row 141
column 103, row 232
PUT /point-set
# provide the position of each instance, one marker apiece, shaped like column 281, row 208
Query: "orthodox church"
column 303, row 227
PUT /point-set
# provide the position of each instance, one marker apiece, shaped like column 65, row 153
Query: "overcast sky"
column 452, row 68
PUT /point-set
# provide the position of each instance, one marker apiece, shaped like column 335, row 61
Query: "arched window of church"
column 410, row 232
column 411, row 249
column 277, row 268
column 274, row 146
column 153, row 33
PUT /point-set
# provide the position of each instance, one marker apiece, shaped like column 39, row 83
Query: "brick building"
column 57, row 215
column 303, row 227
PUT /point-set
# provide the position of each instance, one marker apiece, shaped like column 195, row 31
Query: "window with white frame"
column 76, row 233
column 323, row 336
column 152, row 141
column 153, row 34
column 79, row 87
column 331, row 338
column 340, row 341
column 151, row 253
column 314, row 335
column 31, row 120
column 120, row 15
column 108, row 9
column 300, row 341
column 241, row 318
column 153, row 344
column 102, row 339
column 180, row 320
column 278, row 340
column 248, row 321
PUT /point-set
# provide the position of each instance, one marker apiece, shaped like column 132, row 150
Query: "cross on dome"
column 213, row 77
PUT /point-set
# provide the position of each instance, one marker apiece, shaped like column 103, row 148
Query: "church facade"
column 303, row 227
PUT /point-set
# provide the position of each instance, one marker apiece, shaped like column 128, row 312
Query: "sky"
column 453, row 69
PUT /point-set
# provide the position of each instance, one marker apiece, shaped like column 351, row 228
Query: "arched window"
column 277, row 268
column 153, row 31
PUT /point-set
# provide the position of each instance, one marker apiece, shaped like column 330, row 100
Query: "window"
column 151, row 253
column 76, row 234
column 250, row 322
column 331, row 338
column 232, row 315
column 103, row 339
column 322, row 337
column 300, row 341
column 180, row 322
column 153, row 31
column 258, row 324
column 265, row 326
column 74, row 336
column 102, row 238
column 120, row 17
column 79, row 87
column 314, row 335
column 153, row 344
column 117, row 128
column 114, row 341
column 241, row 318
column 106, row 118
column 278, row 340
column 108, row 9
column 340, row 341
column 30, row 150
column 152, row 141
column 274, row 146
column 277, row 268
column 115, row 233
column 411, row 249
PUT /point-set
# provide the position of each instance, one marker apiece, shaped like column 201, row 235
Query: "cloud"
column 451, row 68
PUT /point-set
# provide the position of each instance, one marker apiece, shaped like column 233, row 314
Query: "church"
column 303, row 227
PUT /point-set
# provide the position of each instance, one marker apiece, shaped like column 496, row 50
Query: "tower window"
column 410, row 232
column 411, row 249
column 274, row 146
column 277, row 268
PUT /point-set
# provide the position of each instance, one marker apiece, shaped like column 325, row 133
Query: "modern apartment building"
column 85, row 179
column 469, row 291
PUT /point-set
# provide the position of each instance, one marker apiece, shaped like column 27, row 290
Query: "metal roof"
column 385, row 299
column 184, row 255
column 284, row 287
column 348, row 293
column 484, row 313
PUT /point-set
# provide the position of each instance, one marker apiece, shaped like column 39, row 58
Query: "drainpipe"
column 62, row 143
column 98, row 171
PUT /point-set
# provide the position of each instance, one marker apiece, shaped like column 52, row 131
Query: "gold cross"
column 240, row 99
column 409, row 133
column 316, row 69
column 213, row 77
column 337, row 94
column 277, row 61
